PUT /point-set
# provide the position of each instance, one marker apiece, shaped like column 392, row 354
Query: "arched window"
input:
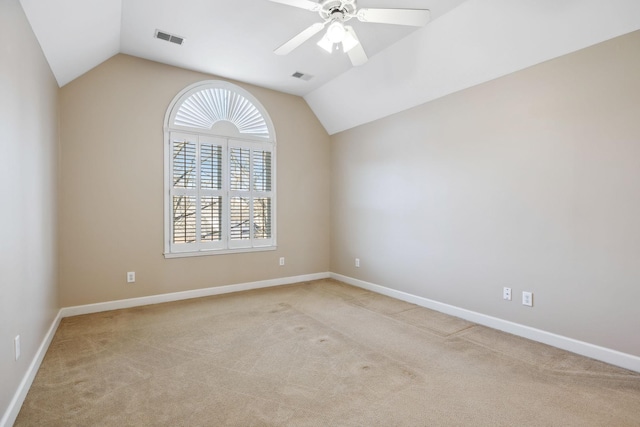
column 219, row 151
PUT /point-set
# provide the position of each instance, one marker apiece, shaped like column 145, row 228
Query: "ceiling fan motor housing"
column 337, row 10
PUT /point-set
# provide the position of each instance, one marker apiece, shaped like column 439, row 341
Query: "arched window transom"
column 208, row 106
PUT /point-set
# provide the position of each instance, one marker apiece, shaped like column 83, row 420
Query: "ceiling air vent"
column 302, row 76
column 169, row 37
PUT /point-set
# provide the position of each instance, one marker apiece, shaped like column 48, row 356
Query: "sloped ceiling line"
column 468, row 42
column 478, row 41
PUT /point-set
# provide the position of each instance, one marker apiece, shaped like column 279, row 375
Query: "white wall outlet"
column 16, row 346
column 506, row 294
column 358, row 262
column 281, row 260
column 131, row 277
column 527, row 298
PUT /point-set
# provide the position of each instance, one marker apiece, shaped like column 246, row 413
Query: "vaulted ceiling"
column 467, row 42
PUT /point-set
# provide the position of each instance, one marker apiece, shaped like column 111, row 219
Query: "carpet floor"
column 314, row 354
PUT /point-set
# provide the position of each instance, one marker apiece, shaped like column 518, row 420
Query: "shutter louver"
column 184, row 164
column 211, row 167
column 184, row 219
column 211, row 219
column 262, row 218
column 239, row 218
column 262, row 170
column 239, row 169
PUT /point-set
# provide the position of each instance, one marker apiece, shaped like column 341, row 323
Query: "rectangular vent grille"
column 169, row 37
column 302, row 76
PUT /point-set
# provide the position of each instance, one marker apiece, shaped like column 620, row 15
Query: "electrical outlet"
column 358, row 262
column 281, row 260
column 527, row 298
column 131, row 277
column 506, row 294
column 16, row 346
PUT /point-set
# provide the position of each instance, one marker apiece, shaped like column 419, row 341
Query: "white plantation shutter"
column 184, row 219
column 196, row 192
column 239, row 186
column 220, row 179
column 262, row 212
column 211, row 191
column 184, row 183
column 250, row 192
column 184, row 162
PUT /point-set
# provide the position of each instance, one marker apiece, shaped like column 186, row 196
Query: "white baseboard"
column 607, row 355
column 13, row 410
column 196, row 293
column 613, row 357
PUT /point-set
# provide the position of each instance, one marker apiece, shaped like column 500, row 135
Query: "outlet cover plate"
column 527, row 298
column 16, row 346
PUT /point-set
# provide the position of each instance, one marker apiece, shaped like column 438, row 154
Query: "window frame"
column 228, row 137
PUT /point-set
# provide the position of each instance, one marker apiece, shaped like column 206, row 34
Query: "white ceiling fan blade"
column 413, row 17
column 302, row 4
column 300, row 38
column 356, row 54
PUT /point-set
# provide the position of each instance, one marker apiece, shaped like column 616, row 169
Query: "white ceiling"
column 467, row 42
column 478, row 41
column 229, row 38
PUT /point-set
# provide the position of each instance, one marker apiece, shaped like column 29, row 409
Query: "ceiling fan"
column 335, row 13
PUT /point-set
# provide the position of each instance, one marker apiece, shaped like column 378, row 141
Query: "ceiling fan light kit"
column 335, row 13
column 335, row 32
column 338, row 33
column 326, row 44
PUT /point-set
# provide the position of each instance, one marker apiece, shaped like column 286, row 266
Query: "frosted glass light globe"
column 336, row 32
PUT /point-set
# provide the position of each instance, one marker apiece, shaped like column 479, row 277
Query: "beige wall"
column 111, row 181
column 28, row 125
column 531, row 181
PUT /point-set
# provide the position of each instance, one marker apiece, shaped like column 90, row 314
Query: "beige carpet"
column 314, row 354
